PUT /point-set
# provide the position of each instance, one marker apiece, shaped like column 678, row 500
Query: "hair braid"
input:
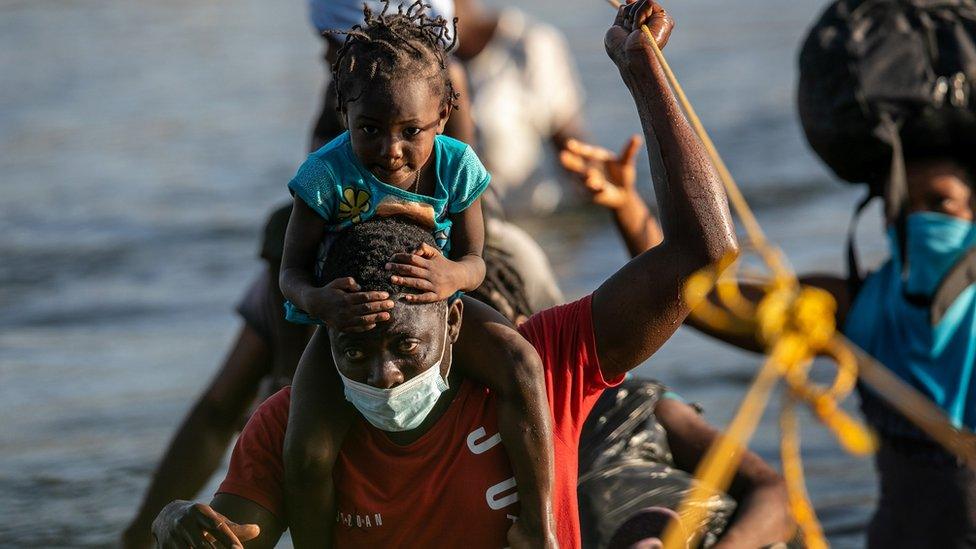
column 391, row 46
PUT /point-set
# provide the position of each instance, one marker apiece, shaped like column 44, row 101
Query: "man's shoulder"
column 561, row 332
column 272, row 414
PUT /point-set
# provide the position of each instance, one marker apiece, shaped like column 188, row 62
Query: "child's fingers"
column 370, row 307
column 409, row 270
column 363, row 323
column 426, row 297
column 408, row 259
column 427, row 251
column 346, row 283
column 364, row 297
column 412, row 282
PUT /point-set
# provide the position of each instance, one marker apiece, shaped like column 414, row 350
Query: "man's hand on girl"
column 425, row 269
column 609, row 178
column 343, row 307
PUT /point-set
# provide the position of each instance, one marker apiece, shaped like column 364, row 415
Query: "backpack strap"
column 960, row 277
column 854, row 278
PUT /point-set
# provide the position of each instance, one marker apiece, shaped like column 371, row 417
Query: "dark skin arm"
column 318, row 420
column 762, row 516
column 640, row 307
column 229, row 521
column 610, row 179
column 339, row 303
column 494, row 354
column 198, row 447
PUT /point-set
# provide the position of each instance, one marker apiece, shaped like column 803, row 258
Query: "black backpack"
column 882, row 78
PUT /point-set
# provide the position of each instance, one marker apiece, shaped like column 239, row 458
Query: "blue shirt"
column 937, row 360
column 334, row 183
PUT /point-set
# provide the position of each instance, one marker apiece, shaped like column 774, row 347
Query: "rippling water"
column 141, row 144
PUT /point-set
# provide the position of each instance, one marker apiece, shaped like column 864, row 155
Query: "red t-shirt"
column 454, row 486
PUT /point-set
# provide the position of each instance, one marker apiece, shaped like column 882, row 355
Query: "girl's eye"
column 408, row 346
column 411, row 132
column 353, row 354
column 369, row 130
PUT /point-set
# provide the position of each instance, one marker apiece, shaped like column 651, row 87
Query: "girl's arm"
column 490, row 351
column 339, row 303
column 439, row 277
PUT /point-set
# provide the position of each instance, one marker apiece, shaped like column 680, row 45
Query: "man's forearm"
column 692, row 203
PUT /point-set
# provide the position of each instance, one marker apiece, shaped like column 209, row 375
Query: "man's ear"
column 454, row 312
column 445, row 115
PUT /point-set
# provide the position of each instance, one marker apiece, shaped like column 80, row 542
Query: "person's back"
column 525, row 97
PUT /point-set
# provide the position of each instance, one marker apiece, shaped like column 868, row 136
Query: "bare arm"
column 468, row 244
column 640, row 307
column 493, row 353
column 198, row 447
column 833, row 284
column 305, row 231
column 762, row 515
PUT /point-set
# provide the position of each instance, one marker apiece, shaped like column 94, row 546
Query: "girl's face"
column 392, row 128
column 939, row 186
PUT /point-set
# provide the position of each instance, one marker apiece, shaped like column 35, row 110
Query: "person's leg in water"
column 902, row 520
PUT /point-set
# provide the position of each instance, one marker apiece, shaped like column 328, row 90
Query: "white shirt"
column 524, row 88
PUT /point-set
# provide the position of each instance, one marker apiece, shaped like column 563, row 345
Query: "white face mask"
column 405, row 406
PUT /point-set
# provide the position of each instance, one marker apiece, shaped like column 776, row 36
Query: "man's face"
column 939, row 186
column 400, row 348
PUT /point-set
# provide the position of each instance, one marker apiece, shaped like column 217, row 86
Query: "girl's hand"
column 610, row 178
column 343, row 307
column 428, row 270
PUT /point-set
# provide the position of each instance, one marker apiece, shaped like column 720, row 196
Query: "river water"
column 141, row 145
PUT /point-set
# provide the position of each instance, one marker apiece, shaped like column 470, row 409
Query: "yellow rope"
column 796, row 324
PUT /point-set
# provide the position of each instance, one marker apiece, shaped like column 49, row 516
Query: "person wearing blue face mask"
column 916, row 314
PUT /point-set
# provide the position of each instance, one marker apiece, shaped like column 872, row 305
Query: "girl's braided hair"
column 388, row 46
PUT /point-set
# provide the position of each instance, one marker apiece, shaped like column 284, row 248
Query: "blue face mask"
column 934, row 244
column 405, row 406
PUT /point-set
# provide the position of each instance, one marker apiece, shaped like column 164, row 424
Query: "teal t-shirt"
column 339, row 188
column 936, row 360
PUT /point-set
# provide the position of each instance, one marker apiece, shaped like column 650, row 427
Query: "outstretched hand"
column 425, row 269
column 610, row 178
column 187, row 524
column 626, row 35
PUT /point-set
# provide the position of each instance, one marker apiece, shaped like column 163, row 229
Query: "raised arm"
column 638, row 308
